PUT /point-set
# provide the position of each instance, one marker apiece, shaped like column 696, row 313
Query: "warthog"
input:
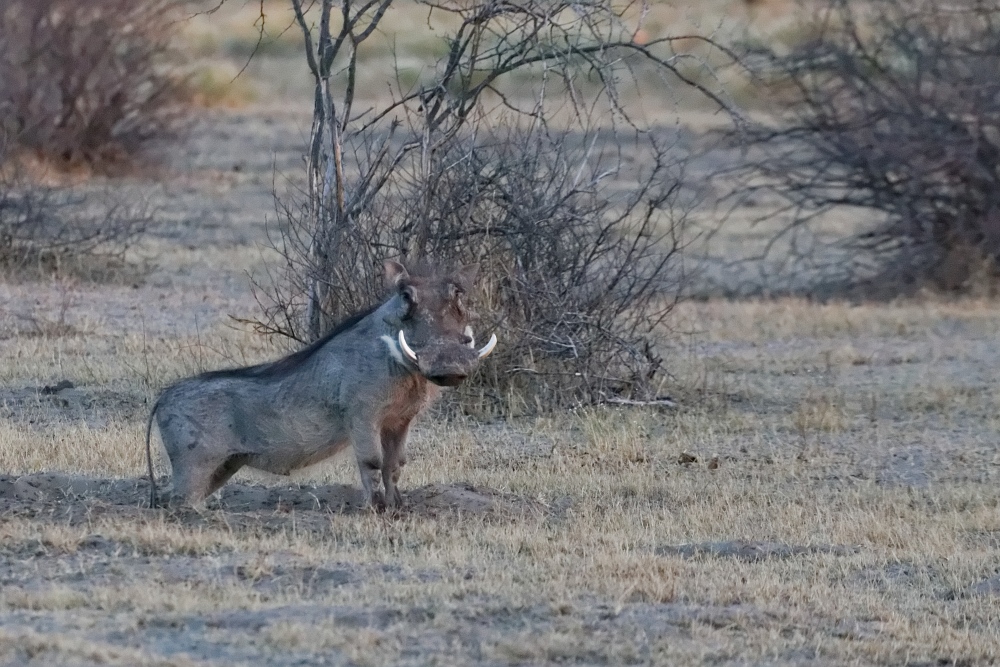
column 362, row 384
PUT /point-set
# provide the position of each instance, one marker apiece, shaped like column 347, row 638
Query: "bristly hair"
column 421, row 268
column 295, row 359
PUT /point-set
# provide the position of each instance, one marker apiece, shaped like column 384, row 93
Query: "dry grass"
column 782, row 393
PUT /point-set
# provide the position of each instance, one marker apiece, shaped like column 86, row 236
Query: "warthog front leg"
column 368, row 450
column 393, row 459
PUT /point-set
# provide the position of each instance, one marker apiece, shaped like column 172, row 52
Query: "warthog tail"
column 149, row 456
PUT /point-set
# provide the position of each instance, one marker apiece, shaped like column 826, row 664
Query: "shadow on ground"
column 67, row 494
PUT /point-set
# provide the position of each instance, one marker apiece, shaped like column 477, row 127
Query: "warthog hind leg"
column 228, row 468
column 194, row 482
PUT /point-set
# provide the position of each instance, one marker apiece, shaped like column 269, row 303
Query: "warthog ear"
column 466, row 276
column 395, row 272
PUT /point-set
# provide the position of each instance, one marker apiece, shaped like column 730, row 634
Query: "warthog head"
column 433, row 334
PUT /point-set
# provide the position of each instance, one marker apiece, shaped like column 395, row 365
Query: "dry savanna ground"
column 825, row 492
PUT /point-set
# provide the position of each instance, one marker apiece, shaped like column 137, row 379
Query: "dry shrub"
column 89, row 81
column 576, row 230
column 578, row 266
column 47, row 230
column 893, row 108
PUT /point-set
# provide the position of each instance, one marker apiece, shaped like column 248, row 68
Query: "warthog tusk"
column 485, row 352
column 410, row 354
column 472, row 337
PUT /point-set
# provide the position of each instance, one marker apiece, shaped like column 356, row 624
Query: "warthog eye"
column 410, row 299
column 455, row 293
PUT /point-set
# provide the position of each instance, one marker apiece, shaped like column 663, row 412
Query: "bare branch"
column 894, row 112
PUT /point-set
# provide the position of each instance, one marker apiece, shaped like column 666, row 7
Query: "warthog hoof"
column 376, row 501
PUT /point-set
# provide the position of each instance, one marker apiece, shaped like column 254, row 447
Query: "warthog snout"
column 447, row 380
column 446, row 364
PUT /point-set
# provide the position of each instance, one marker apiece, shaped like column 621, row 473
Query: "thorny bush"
column 893, row 109
column 577, row 272
column 48, row 230
column 90, row 81
column 578, row 241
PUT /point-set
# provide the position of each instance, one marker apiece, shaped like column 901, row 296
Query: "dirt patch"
column 988, row 587
column 27, row 492
column 63, row 402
